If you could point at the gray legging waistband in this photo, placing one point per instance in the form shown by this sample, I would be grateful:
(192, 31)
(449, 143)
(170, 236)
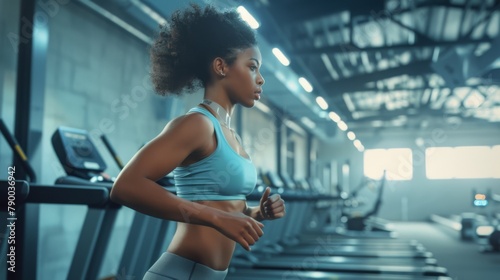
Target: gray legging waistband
(173, 267)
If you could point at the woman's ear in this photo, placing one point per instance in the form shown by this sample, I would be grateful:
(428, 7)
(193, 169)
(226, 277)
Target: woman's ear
(219, 67)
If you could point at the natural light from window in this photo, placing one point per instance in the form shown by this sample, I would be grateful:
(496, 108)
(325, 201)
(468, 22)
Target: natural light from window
(397, 163)
(471, 162)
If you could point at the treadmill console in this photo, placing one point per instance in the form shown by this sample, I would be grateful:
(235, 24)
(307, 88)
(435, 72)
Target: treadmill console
(76, 152)
(480, 200)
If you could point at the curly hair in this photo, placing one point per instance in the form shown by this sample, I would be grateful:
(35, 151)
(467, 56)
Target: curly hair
(184, 49)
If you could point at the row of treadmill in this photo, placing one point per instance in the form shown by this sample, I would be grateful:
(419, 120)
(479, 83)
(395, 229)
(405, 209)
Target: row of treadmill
(311, 242)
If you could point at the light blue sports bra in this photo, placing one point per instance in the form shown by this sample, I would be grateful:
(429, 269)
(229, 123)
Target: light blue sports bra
(223, 175)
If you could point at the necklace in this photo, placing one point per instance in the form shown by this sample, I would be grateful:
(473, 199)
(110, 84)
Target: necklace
(219, 111)
(221, 114)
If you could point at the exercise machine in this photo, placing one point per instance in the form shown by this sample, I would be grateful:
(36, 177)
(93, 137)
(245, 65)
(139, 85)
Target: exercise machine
(94, 197)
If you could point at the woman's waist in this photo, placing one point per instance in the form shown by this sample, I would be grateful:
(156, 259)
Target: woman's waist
(224, 205)
(202, 244)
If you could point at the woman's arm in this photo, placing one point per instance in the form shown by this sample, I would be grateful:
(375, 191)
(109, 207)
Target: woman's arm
(270, 207)
(254, 213)
(136, 185)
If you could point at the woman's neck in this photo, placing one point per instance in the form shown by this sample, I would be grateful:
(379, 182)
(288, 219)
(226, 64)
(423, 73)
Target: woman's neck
(220, 98)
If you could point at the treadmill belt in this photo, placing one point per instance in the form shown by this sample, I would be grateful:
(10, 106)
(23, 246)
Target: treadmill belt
(350, 267)
(252, 274)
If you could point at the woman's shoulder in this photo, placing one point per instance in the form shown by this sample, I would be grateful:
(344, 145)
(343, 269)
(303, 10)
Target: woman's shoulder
(192, 124)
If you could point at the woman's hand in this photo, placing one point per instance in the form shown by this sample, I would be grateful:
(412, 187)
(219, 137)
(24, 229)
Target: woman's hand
(239, 227)
(271, 207)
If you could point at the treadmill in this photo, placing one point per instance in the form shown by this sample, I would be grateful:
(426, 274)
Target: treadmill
(252, 274)
(27, 214)
(244, 265)
(145, 242)
(362, 249)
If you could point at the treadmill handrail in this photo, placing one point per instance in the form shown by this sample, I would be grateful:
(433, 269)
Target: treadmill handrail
(292, 195)
(112, 151)
(22, 189)
(18, 151)
(92, 196)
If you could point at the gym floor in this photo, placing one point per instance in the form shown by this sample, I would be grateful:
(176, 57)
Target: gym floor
(463, 260)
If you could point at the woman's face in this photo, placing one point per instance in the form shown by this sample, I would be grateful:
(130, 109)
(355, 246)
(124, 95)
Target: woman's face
(243, 81)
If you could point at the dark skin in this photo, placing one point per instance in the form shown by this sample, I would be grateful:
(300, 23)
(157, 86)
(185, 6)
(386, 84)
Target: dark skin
(207, 231)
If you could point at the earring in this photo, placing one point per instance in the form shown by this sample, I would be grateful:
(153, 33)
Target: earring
(222, 74)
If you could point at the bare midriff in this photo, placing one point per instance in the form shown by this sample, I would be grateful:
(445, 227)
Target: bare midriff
(203, 244)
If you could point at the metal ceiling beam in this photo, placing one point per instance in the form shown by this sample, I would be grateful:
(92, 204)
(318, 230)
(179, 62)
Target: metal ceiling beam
(370, 14)
(349, 48)
(482, 20)
(420, 37)
(444, 3)
(317, 9)
(389, 115)
(276, 31)
(357, 83)
(310, 10)
(386, 90)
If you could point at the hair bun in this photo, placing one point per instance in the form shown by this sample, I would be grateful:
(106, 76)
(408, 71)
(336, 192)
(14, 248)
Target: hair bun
(184, 48)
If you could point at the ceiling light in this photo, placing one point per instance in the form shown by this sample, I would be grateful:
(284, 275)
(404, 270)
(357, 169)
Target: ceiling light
(342, 125)
(281, 57)
(452, 103)
(246, 16)
(321, 102)
(305, 84)
(358, 145)
(150, 12)
(474, 100)
(348, 102)
(351, 135)
(329, 66)
(334, 116)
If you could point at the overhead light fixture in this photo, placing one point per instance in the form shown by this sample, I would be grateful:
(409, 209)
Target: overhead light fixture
(321, 102)
(295, 126)
(150, 12)
(246, 16)
(305, 84)
(328, 64)
(474, 100)
(281, 57)
(435, 54)
(334, 116)
(351, 135)
(306, 121)
(358, 145)
(342, 125)
(452, 103)
(348, 102)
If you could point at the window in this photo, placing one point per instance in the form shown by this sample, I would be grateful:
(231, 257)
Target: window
(396, 162)
(462, 162)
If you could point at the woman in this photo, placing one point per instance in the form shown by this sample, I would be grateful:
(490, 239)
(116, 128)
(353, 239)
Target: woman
(213, 174)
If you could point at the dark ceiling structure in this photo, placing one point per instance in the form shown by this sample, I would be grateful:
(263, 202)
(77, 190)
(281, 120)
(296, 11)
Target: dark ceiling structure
(393, 63)
(378, 64)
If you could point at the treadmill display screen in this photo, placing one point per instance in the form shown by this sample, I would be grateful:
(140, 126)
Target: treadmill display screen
(480, 200)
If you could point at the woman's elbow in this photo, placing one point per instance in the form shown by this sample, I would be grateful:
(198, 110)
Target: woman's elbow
(116, 194)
